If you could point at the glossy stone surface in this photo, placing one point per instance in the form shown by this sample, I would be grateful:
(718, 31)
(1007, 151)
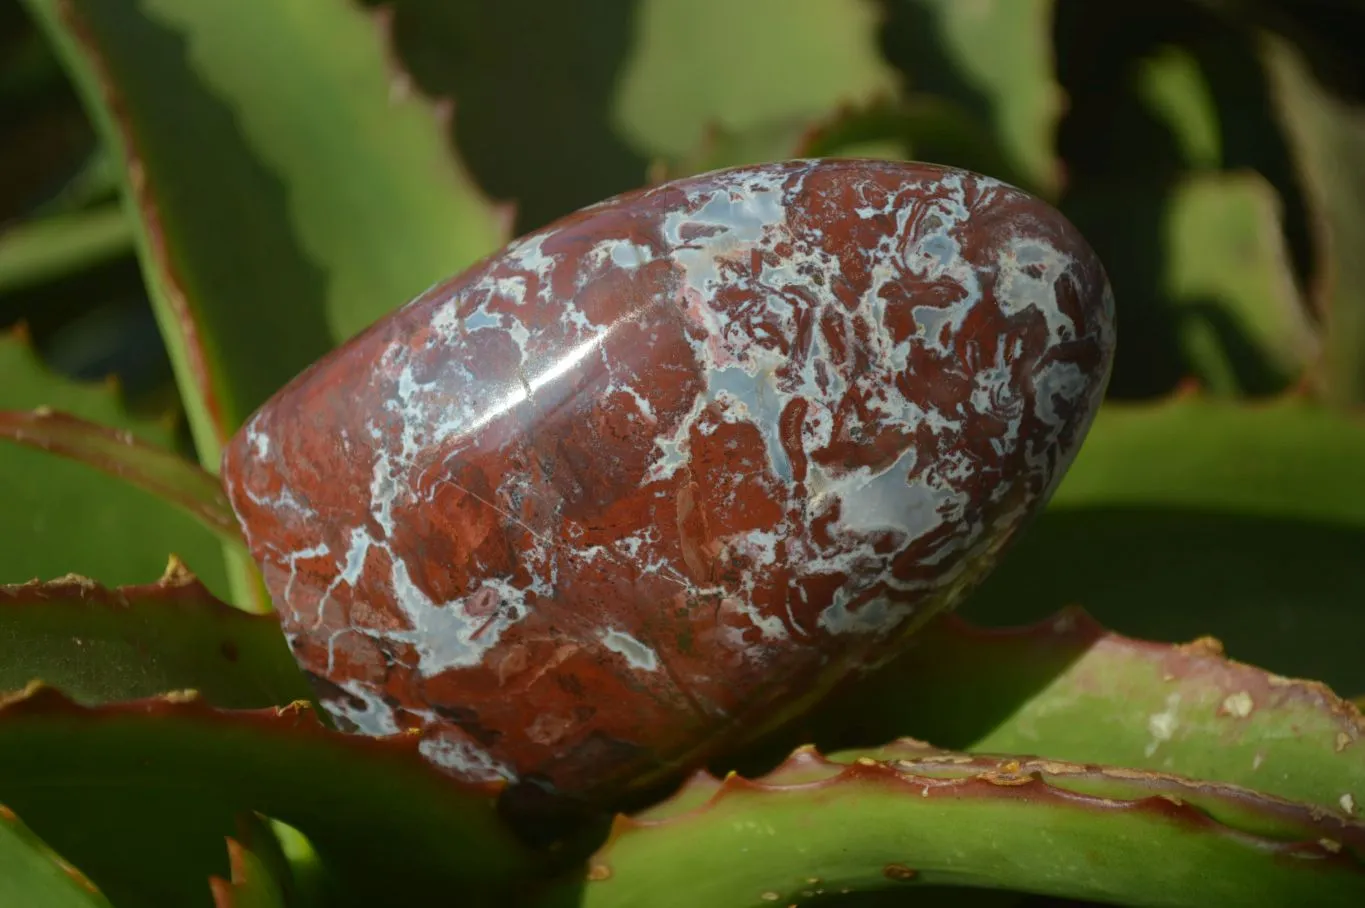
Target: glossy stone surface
(654, 477)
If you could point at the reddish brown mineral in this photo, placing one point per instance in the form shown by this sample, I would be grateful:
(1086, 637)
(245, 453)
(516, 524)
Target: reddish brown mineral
(652, 478)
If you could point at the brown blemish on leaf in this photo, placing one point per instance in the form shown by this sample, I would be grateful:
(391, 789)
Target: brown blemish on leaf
(598, 872)
(1238, 705)
(944, 758)
(899, 872)
(1206, 647)
(177, 573)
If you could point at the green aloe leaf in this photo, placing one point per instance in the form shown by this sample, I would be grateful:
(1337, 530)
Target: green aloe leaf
(33, 874)
(287, 187)
(908, 816)
(121, 454)
(101, 645)
(629, 90)
(38, 250)
(1242, 323)
(995, 59)
(141, 795)
(1067, 689)
(251, 883)
(1328, 136)
(765, 63)
(286, 860)
(1207, 275)
(1195, 516)
(61, 517)
(1180, 177)
(562, 150)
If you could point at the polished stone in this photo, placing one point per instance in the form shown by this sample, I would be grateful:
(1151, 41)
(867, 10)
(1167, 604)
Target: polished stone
(653, 478)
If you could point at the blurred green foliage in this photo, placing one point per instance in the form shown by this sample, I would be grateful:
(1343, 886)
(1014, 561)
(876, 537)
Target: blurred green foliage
(201, 198)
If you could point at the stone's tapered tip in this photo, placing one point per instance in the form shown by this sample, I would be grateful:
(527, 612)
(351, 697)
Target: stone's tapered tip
(655, 476)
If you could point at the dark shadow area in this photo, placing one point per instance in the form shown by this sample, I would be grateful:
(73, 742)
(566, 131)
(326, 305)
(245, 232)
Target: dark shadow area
(1277, 592)
(921, 694)
(1122, 163)
(533, 85)
(92, 324)
(1282, 594)
(44, 134)
(1327, 31)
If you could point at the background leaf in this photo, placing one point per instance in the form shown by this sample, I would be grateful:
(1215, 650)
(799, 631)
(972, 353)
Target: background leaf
(101, 645)
(1159, 99)
(251, 883)
(42, 249)
(910, 816)
(1067, 689)
(620, 85)
(32, 874)
(995, 59)
(1195, 516)
(1328, 137)
(542, 136)
(108, 788)
(332, 197)
(1232, 289)
(765, 62)
(122, 455)
(61, 517)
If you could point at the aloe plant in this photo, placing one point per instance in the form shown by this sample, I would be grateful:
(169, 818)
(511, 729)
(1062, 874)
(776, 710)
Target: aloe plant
(205, 198)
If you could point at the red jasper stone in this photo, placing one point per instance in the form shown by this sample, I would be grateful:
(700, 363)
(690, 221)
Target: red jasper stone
(651, 479)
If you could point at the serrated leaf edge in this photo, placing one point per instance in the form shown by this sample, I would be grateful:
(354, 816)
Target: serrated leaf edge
(404, 89)
(1336, 839)
(39, 700)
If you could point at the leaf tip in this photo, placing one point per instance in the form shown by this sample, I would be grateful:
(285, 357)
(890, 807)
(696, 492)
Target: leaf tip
(177, 574)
